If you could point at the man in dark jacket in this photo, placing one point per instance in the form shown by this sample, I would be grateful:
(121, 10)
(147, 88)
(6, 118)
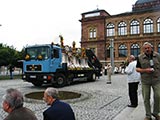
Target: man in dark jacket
(11, 69)
(13, 105)
(58, 110)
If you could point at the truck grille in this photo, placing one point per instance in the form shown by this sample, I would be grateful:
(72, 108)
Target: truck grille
(34, 68)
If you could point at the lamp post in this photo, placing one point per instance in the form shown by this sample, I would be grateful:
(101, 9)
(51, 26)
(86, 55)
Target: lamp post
(105, 52)
(112, 54)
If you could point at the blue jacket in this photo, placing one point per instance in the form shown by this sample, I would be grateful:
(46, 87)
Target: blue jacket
(59, 111)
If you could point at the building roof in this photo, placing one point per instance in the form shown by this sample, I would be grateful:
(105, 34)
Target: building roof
(143, 5)
(144, 1)
(94, 11)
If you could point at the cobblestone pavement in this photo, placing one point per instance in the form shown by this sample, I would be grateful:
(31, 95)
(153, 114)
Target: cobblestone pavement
(99, 101)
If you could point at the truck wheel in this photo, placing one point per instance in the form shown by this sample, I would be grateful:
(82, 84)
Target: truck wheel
(70, 79)
(92, 77)
(38, 84)
(60, 80)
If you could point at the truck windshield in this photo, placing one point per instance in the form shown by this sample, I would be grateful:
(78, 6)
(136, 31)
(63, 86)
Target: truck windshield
(41, 53)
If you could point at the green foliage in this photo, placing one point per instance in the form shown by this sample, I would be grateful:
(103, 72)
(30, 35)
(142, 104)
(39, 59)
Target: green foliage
(7, 77)
(9, 55)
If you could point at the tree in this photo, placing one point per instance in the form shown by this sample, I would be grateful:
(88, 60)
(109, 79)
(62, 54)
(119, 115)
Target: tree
(9, 55)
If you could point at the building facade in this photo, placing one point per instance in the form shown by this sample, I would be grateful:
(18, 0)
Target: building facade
(123, 34)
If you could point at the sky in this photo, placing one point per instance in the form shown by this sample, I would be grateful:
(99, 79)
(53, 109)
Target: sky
(29, 22)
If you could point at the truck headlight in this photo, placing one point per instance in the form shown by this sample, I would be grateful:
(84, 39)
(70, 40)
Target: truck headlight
(44, 77)
(24, 76)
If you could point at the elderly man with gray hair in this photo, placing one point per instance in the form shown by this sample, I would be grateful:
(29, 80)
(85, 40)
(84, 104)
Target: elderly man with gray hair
(13, 105)
(148, 64)
(58, 110)
(133, 78)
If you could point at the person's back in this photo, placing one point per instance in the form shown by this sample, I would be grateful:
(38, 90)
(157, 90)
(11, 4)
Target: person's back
(21, 113)
(59, 111)
(13, 105)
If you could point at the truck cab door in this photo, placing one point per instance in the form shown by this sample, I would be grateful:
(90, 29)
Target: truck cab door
(55, 60)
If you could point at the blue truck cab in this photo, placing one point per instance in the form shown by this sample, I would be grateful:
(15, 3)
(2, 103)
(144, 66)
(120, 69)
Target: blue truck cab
(43, 65)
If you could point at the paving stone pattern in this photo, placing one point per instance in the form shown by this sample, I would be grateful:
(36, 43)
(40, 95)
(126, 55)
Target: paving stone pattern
(99, 101)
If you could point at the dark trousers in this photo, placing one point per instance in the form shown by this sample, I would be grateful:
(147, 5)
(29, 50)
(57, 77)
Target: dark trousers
(133, 95)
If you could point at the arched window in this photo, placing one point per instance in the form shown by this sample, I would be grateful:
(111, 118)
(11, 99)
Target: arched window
(92, 33)
(122, 50)
(108, 52)
(110, 30)
(134, 27)
(122, 28)
(135, 50)
(159, 48)
(158, 25)
(148, 26)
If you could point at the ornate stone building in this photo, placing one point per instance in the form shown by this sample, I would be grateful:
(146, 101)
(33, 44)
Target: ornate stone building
(122, 34)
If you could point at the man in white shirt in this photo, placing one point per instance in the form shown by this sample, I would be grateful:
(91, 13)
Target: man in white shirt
(133, 78)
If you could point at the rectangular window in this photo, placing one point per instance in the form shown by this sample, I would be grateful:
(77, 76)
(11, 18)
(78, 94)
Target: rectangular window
(55, 53)
(134, 30)
(158, 27)
(110, 32)
(148, 28)
(122, 31)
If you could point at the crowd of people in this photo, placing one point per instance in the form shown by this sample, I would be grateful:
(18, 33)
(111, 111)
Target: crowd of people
(144, 70)
(118, 69)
